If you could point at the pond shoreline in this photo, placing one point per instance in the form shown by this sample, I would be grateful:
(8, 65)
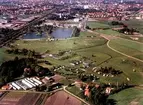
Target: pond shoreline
(57, 33)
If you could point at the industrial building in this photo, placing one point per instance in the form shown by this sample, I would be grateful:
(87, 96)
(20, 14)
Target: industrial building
(25, 84)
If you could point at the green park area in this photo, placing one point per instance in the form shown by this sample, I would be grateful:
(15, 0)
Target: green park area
(131, 96)
(95, 49)
(109, 32)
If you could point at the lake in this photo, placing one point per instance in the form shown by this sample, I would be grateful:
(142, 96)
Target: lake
(34, 36)
(61, 33)
(58, 33)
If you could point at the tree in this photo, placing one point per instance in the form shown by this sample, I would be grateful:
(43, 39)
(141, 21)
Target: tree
(16, 58)
(16, 51)
(87, 27)
(24, 51)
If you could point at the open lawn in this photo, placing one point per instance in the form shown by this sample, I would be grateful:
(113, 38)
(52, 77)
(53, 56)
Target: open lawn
(97, 25)
(130, 96)
(110, 32)
(128, 47)
(69, 44)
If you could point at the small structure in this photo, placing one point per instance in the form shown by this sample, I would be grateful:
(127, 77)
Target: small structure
(108, 90)
(86, 92)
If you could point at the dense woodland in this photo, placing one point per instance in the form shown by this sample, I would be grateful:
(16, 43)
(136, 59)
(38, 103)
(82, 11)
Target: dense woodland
(10, 70)
(25, 52)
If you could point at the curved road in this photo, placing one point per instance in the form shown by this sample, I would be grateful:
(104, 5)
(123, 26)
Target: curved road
(123, 53)
(115, 49)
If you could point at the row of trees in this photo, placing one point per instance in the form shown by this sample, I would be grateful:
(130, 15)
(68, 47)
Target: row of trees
(116, 23)
(127, 30)
(109, 70)
(29, 53)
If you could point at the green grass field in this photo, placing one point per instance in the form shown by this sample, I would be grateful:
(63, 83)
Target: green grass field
(86, 46)
(128, 97)
(110, 32)
(128, 47)
(97, 25)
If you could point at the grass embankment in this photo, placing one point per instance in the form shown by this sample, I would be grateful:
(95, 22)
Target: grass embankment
(129, 97)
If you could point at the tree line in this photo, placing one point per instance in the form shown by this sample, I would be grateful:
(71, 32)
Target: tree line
(29, 53)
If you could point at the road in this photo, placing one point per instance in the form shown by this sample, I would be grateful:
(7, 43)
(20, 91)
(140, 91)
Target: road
(30, 91)
(123, 53)
(25, 27)
(64, 88)
(104, 36)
